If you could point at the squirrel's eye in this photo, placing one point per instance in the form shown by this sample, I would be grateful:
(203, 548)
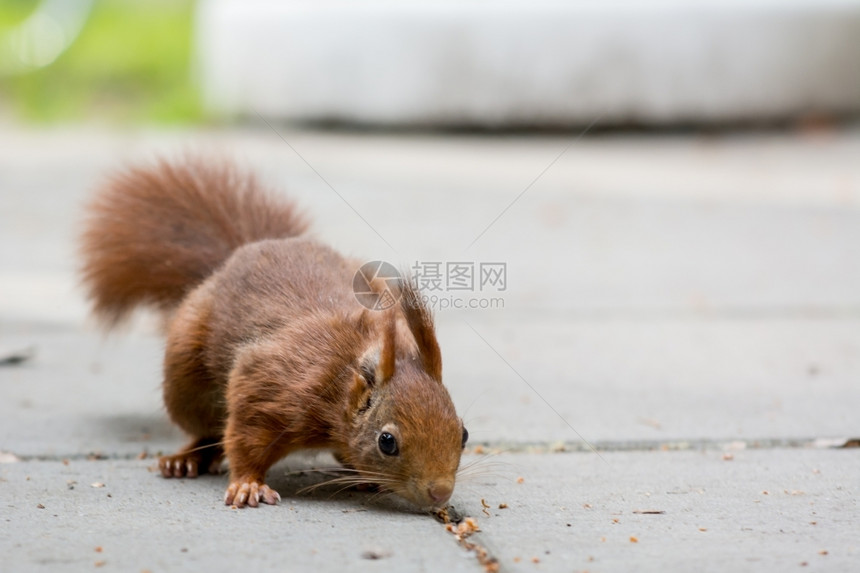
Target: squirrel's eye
(387, 444)
(465, 436)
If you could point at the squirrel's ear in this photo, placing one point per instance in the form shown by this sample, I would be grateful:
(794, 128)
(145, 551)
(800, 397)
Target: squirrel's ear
(377, 366)
(420, 322)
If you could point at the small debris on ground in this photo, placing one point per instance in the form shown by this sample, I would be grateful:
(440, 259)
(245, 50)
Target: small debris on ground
(374, 554)
(8, 458)
(15, 357)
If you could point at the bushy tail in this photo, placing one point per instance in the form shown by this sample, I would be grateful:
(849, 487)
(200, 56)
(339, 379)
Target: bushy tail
(153, 233)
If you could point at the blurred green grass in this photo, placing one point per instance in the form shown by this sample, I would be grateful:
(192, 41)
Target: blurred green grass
(131, 63)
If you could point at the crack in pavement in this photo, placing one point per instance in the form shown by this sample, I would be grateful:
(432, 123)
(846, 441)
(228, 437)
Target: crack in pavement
(534, 447)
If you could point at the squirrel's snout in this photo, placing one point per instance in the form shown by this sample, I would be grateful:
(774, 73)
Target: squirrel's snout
(440, 492)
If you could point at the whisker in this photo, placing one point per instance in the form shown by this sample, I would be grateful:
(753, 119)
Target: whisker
(206, 446)
(346, 481)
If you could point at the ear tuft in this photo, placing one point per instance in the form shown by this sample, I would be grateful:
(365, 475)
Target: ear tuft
(420, 321)
(385, 368)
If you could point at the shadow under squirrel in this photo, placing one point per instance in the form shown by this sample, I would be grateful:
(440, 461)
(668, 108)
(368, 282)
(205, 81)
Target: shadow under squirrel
(268, 351)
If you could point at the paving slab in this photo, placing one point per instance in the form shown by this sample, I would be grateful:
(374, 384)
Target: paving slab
(605, 383)
(117, 516)
(762, 510)
(774, 510)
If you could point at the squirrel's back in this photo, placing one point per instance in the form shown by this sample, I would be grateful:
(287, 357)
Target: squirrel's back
(154, 233)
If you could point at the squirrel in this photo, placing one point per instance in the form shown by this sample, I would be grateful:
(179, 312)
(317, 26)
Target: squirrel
(268, 351)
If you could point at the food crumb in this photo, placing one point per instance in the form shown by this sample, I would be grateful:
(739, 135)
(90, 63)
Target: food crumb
(634, 539)
(603, 539)
(65, 461)
(40, 506)
(765, 492)
(586, 505)
(97, 484)
(503, 506)
(517, 559)
(728, 456)
(467, 527)
(99, 563)
(614, 520)
(521, 479)
(99, 549)
(703, 529)
(804, 563)
(479, 449)
(813, 523)
(535, 559)
(823, 552)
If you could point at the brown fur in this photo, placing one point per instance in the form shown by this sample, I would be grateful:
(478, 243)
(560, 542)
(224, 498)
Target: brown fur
(172, 224)
(268, 351)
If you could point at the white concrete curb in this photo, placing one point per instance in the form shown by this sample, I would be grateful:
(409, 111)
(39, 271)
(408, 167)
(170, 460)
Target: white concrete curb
(530, 63)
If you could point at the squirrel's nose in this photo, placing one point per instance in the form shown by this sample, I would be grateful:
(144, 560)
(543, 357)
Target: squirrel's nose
(440, 492)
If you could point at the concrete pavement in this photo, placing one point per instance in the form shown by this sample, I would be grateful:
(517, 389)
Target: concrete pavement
(687, 305)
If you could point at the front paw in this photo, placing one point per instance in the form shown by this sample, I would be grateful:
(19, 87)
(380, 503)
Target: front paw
(179, 465)
(250, 492)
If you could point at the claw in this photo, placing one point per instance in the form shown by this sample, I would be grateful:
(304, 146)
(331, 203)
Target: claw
(250, 493)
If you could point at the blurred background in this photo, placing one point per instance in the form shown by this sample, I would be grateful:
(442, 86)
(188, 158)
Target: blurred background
(477, 64)
(673, 185)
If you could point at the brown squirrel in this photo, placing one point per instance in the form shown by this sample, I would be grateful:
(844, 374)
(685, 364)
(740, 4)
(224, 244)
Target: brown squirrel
(268, 350)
